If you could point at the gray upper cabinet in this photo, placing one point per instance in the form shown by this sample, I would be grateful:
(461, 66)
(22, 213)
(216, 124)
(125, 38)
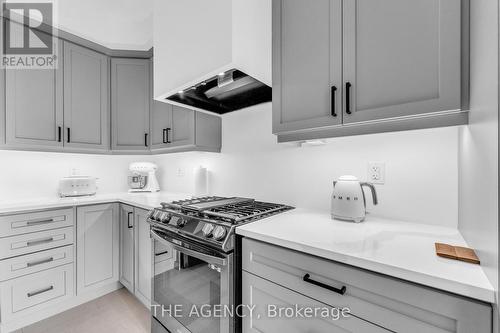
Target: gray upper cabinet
(307, 64)
(182, 127)
(2, 105)
(34, 106)
(344, 67)
(86, 101)
(401, 57)
(130, 98)
(161, 124)
(174, 128)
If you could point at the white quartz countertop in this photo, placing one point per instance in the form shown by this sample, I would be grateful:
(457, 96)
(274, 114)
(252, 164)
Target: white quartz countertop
(141, 200)
(395, 248)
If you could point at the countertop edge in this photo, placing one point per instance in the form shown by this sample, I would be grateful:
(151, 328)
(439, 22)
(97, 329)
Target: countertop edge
(454, 287)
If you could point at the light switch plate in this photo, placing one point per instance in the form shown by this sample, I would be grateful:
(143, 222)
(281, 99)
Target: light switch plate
(376, 172)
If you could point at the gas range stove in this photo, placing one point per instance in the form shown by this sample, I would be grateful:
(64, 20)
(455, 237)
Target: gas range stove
(211, 220)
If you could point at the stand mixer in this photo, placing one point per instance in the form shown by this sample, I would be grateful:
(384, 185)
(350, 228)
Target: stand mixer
(143, 177)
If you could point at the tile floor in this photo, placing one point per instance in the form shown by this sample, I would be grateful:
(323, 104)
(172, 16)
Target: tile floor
(118, 312)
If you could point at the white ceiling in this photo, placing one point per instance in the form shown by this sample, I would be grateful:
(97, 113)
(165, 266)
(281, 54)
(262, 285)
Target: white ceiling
(117, 24)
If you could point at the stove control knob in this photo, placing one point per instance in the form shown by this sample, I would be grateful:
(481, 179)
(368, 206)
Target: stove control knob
(164, 217)
(156, 216)
(181, 222)
(207, 229)
(219, 233)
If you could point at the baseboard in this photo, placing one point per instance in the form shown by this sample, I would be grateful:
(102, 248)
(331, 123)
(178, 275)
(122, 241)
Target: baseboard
(61, 307)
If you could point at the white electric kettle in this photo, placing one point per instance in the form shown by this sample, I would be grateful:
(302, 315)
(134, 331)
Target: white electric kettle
(348, 199)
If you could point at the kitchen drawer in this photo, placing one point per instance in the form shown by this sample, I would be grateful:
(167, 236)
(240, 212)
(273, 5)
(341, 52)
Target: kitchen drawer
(30, 222)
(265, 295)
(391, 303)
(163, 252)
(35, 262)
(34, 242)
(30, 293)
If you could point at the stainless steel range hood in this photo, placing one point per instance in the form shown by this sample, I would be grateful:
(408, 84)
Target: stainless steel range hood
(226, 92)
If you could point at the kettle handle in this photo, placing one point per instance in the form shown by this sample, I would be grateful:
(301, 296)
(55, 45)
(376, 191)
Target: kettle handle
(374, 192)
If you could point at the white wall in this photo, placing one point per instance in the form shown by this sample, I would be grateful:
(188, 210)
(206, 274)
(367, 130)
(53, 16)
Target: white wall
(35, 174)
(422, 169)
(117, 24)
(478, 158)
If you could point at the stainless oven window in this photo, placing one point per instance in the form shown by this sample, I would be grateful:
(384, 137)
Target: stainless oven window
(191, 291)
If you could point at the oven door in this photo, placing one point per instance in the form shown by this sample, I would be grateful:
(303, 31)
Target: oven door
(185, 296)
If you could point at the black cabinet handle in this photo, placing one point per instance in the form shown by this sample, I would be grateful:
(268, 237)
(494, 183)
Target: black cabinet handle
(161, 253)
(340, 291)
(146, 139)
(128, 220)
(348, 98)
(334, 91)
(164, 135)
(59, 134)
(69, 134)
(168, 129)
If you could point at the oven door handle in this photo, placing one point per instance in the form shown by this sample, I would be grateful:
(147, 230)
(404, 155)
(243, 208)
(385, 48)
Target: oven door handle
(202, 256)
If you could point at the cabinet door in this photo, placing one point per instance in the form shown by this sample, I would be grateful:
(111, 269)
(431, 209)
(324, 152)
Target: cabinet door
(263, 294)
(130, 97)
(307, 64)
(34, 110)
(401, 57)
(86, 102)
(127, 227)
(161, 125)
(143, 259)
(182, 127)
(97, 246)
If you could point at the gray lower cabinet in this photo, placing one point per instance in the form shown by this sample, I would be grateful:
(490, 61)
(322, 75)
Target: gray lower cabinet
(175, 128)
(86, 98)
(143, 260)
(127, 231)
(2, 104)
(275, 276)
(97, 254)
(338, 64)
(34, 107)
(130, 99)
(136, 256)
(269, 298)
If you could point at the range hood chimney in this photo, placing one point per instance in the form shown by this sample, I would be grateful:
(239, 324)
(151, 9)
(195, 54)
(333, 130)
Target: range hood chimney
(213, 55)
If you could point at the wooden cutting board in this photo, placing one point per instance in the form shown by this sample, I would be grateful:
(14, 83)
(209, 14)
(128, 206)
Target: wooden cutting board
(457, 253)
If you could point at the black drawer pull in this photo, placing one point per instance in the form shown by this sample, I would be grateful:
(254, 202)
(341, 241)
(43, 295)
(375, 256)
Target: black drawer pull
(69, 134)
(39, 222)
(39, 262)
(161, 253)
(40, 241)
(128, 220)
(348, 86)
(145, 139)
(164, 135)
(41, 291)
(334, 91)
(59, 131)
(340, 291)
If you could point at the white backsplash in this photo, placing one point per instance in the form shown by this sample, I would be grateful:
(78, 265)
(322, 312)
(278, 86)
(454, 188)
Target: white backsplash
(421, 169)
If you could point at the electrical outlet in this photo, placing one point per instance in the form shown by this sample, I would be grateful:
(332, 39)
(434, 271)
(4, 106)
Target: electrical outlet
(376, 172)
(181, 172)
